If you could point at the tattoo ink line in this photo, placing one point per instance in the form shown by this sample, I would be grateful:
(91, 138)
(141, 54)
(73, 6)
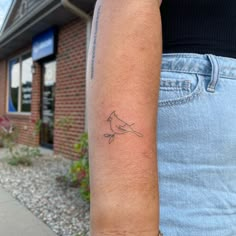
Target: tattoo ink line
(118, 127)
(95, 42)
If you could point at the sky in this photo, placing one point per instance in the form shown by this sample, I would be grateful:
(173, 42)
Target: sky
(4, 6)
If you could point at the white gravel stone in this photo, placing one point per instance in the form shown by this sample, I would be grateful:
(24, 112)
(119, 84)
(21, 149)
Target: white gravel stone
(58, 205)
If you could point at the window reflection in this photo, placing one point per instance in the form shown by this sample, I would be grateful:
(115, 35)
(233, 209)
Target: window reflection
(20, 84)
(26, 82)
(14, 85)
(49, 84)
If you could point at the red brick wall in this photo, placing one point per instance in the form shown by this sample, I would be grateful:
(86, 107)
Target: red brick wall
(3, 75)
(26, 123)
(70, 92)
(70, 87)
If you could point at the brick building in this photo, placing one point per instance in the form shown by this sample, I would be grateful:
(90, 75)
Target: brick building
(43, 47)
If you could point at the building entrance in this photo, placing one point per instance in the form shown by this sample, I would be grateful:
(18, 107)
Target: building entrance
(48, 104)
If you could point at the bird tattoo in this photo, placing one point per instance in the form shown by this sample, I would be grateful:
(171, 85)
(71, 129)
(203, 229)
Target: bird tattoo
(119, 127)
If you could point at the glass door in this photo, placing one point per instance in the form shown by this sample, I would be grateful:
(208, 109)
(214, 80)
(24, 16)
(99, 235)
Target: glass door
(48, 102)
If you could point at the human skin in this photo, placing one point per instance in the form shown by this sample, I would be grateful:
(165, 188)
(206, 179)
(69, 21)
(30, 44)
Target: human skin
(124, 70)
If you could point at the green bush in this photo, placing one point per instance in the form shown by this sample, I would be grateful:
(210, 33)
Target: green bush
(23, 156)
(79, 169)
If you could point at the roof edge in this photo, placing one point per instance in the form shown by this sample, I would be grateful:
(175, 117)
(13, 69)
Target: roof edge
(16, 26)
(7, 16)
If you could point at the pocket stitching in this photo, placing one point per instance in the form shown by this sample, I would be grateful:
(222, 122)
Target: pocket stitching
(195, 93)
(166, 84)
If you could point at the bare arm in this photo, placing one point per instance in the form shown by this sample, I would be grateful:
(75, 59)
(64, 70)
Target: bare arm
(124, 67)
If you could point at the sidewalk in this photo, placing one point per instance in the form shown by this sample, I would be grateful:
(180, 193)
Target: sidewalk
(16, 220)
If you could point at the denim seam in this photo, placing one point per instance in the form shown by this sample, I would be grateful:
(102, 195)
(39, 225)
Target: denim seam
(176, 54)
(214, 75)
(203, 58)
(192, 55)
(167, 84)
(180, 101)
(196, 72)
(172, 88)
(198, 91)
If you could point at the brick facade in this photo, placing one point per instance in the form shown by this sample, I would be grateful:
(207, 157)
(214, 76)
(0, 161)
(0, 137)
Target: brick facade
(70, 86)
(25, 124)
(70, 92)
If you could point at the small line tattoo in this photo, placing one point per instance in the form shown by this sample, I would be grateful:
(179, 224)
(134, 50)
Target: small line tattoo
(95, 42)
(118, 127)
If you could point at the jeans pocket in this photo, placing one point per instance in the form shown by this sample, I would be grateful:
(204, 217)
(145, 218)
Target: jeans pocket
(178, 88)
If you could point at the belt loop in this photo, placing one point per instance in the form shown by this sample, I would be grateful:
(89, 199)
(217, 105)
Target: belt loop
(215, 72)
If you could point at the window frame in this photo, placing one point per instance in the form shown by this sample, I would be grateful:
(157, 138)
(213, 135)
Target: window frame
(19, 56)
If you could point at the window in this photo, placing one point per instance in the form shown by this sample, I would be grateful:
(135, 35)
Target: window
(20, 84)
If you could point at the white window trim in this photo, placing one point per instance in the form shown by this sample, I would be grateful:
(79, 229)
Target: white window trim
(19, 95)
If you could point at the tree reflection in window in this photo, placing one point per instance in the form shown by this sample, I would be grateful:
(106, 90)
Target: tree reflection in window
(20, 84)
(26, 82)
(14, 83)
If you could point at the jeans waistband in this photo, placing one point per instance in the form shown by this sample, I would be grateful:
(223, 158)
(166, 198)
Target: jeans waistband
(205, 64)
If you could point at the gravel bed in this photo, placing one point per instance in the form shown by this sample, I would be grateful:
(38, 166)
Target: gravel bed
(56, 204)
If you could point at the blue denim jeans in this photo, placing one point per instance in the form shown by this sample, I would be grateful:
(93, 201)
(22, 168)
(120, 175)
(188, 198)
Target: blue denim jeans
(197, 145)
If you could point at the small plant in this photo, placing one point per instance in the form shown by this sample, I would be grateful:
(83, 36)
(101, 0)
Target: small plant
(79, 170)
(81, 234)
(17, 156)
(8, 133)
(65, 122)
(37, 126)
(23, 156)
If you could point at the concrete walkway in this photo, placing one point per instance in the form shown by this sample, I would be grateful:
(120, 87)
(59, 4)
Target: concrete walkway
(16, 220)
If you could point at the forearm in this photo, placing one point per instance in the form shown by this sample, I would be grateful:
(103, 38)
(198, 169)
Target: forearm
(124, 68)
